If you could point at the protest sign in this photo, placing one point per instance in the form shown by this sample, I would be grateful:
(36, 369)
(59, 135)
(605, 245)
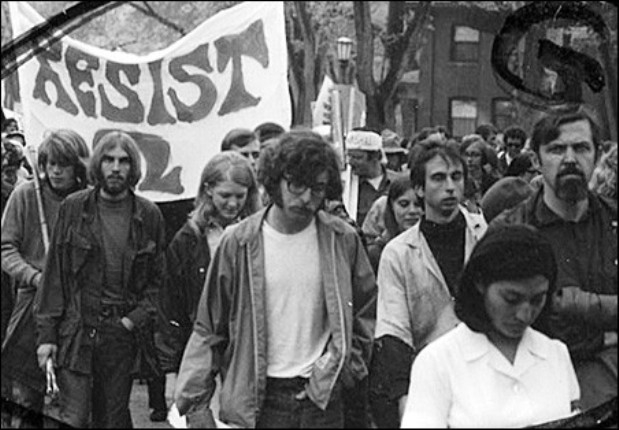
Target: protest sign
(178, 103)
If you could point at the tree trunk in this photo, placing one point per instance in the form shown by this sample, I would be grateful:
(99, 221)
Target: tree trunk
(365, 62)
(307, 85)
(400, 46)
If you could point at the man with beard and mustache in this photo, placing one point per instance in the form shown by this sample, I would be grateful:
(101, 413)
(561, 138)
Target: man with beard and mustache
(582, 227)
(96, 308)
(417, 277)
(288, 307)
(61, 161)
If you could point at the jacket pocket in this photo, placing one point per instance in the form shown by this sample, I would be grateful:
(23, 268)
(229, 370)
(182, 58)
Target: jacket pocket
(143, 261)
(67, 346)
(80, 249)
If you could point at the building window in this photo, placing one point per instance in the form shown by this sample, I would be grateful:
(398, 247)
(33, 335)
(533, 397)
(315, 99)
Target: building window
(463, 116)
(503, 113)
(465, 44)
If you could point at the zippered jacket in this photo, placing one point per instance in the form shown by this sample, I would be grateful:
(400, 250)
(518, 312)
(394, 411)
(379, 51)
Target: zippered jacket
(229, 335)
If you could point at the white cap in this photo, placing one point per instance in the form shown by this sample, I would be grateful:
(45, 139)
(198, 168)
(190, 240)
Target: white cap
(364, 140)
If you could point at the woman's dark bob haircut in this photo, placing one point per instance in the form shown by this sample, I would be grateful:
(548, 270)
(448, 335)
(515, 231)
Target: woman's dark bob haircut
(505, 253)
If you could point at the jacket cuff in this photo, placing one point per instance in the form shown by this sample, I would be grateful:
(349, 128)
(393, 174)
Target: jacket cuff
(47, 336)
(139, 317)
(32, 273)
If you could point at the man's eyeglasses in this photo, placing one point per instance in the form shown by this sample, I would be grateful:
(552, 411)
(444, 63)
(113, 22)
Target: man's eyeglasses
(298, 188)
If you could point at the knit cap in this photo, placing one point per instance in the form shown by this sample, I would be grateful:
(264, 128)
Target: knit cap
(504, 194)
(364, 140)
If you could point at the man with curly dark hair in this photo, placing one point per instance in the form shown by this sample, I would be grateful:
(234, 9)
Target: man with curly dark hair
(288, 307)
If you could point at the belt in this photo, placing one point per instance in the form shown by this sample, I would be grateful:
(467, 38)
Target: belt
(108, 310)
(287, 384)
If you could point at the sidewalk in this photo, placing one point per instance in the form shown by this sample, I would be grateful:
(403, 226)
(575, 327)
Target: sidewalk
(140, 413)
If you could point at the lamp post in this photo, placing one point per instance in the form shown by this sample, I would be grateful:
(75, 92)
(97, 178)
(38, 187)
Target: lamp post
(344, 52)
(342, 108)
(344, 86)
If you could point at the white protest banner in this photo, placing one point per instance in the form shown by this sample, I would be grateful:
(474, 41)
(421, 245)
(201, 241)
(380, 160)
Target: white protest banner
(178, 103)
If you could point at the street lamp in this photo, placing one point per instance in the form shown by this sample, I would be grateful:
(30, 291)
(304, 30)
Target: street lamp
(344, 52)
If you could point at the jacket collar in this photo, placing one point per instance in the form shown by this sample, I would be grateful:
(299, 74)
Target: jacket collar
(90, 206)
(475, 224)
(251, 227)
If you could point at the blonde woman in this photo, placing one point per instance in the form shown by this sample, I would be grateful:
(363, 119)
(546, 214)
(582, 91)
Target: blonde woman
(228, 192)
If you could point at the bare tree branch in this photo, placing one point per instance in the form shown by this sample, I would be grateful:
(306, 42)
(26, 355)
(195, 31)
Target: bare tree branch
(408, 45)
(147, 10)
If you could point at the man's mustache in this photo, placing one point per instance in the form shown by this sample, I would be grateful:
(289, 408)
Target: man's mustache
(571, 170)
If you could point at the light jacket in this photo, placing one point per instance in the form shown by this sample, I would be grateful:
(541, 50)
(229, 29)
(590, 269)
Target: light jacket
(414, 303)
(230, 332)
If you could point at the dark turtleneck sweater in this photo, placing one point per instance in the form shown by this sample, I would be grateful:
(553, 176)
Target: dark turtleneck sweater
(446, 242)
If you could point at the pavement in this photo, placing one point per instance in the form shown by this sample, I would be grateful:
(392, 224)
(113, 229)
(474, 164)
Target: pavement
(140, 413)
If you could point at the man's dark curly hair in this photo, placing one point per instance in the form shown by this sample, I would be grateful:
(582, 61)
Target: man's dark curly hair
(300, 155)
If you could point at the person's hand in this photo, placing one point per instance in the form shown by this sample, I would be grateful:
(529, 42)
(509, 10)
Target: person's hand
(45, 351)
(36, 280)
(127, 323)
(565, 299)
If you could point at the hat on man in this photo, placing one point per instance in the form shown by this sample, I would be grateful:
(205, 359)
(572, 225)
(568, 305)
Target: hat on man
(16, 136)
(504, 194)
(391, 143)
(364, 140)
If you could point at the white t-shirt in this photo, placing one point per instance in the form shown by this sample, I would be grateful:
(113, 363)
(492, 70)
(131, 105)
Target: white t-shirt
(297, 325)
(462, 380)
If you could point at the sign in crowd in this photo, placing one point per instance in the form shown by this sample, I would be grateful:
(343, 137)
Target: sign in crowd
(177, 103)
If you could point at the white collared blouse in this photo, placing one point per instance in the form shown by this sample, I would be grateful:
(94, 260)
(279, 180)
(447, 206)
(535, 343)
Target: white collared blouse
(462, 380)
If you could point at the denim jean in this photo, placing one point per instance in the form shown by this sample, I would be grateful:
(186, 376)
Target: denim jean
(287, 406)
(156, 393)
(101, 398)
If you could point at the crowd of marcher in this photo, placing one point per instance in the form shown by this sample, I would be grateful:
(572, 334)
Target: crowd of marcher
(426, 282)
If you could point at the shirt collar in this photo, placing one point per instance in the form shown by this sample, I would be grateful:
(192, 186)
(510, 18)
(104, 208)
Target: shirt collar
(475, 345)
(546, 216)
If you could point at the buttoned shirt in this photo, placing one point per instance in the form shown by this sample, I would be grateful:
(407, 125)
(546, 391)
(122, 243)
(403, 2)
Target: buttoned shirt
(463, 380)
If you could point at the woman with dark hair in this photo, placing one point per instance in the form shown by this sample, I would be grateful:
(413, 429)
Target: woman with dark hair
(400, 209)
(524, 165)
(482, 165)
(493, 369)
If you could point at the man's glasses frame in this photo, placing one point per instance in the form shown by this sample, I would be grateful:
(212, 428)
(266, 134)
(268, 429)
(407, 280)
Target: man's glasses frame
(297, 188)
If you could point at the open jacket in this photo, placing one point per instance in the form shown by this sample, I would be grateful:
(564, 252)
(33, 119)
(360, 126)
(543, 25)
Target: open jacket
(229, 335)
(67, 307)
(187, 260)
(414, 302)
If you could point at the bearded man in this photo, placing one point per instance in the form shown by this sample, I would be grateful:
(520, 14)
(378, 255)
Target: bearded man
(582, 227)
(96, 308)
